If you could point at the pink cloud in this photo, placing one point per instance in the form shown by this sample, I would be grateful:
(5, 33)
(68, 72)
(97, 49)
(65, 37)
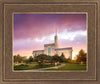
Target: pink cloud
(28, 27)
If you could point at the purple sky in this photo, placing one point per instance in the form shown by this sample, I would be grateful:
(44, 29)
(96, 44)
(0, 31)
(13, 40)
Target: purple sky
(32, 31)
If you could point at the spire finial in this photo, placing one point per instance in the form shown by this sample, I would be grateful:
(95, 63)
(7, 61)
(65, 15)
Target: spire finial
(56, 31)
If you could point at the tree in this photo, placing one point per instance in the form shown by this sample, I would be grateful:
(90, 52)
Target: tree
(81, 57)
(56, 58)
(42, 59)
(68, 60)
(62, 57)
(30, 59)
(19, 59)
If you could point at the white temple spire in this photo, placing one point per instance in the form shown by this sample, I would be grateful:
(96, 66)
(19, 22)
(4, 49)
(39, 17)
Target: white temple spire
(56, 31)
(56, 39)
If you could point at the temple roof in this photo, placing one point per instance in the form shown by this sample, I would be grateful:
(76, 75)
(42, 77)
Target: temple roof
(52, 44)
(38, 51)
(69, 48)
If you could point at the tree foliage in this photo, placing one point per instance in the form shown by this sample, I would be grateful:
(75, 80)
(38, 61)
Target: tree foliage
(42, 58)
(81, 57)
(56, 58)
(62, 57)
(18, 58)
(30, 59)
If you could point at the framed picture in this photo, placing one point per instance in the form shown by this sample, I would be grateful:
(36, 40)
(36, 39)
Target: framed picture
(49, 42)
(33, 34)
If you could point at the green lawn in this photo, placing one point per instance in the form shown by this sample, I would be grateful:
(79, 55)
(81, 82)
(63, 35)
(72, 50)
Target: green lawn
(24, 67)
(30, 66)
(72, 66)
(67, 67)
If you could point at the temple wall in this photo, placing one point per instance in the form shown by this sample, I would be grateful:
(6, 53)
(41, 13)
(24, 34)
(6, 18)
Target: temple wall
(67, 53)
(52, 50)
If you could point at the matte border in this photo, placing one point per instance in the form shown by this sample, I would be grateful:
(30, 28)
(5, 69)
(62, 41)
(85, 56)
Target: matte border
(51, 13)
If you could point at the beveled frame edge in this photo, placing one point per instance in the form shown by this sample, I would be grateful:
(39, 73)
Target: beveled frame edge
(51, 79)
(1, 14)
(48, 12)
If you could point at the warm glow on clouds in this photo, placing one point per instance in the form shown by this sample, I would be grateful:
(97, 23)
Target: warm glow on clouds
(63, 35)
(32, 31)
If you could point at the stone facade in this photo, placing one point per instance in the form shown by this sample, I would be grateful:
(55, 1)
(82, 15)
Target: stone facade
(53, 48)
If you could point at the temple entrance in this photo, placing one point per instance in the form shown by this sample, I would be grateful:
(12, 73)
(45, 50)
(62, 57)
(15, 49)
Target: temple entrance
(49, 51)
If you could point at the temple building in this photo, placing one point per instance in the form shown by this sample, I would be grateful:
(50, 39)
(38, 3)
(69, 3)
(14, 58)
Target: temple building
(53, 48)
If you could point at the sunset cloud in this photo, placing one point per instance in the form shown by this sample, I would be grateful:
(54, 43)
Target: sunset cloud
(32, 31)
(62, 35)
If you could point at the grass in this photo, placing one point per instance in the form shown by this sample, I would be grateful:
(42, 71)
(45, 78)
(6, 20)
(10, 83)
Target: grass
(67, 67)
(71, 66)
(30, 66)
(24, 66)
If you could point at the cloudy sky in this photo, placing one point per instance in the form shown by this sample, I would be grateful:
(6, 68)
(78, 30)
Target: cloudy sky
(32, 31)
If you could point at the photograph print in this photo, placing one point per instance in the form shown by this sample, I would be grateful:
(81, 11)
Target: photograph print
(50, 42)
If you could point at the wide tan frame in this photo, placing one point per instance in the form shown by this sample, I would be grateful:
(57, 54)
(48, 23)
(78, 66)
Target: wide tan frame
(7, 14)
(7, 75)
